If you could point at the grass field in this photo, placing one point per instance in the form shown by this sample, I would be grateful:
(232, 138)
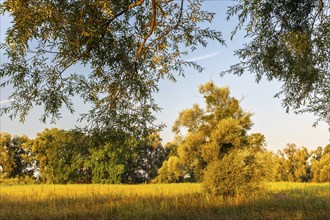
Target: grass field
(161, 201)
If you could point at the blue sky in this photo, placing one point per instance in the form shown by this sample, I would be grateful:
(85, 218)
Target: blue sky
(269, 117)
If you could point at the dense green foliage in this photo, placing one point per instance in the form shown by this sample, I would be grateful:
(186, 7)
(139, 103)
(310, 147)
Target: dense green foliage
(289, 41)
(213, 133)
(59, 156)
(212, 145)
(15, 156)
(128, 161)
(299, 165)
(123, 48)
(238, 172)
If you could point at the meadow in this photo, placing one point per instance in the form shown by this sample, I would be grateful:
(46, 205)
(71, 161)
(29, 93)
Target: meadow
(162, 201)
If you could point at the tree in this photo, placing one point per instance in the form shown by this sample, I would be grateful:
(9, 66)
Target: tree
(320, 165)
(125, 47)
(302, 168)
(321, 169)
(121, 158)
(60, 156)
(289, 153)
(316, 168)
(325, 168)
(6, 162)
(281, 168)
(208, 134)
(289, 42)
(107, 163)
(317, 154)
(293, 164)
(171, 149)
(326, 150)
(150, 156)
(15, 156)
(212, 131)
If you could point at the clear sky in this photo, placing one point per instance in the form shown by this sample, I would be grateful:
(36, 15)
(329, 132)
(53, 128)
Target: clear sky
(269, 117)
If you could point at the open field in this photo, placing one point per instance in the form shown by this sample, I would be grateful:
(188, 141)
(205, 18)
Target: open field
(161, 201)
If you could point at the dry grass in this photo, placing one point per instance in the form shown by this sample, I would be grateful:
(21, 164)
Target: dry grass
(161, 201)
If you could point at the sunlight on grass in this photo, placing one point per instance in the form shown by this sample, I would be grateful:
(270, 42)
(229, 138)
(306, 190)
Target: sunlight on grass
(161, 201)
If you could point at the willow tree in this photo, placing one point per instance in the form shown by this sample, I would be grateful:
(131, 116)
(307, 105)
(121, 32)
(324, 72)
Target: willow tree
(289, 42)
(125, 47)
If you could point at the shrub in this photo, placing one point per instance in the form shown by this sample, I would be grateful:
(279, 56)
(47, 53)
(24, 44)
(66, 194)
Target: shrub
(238, 172)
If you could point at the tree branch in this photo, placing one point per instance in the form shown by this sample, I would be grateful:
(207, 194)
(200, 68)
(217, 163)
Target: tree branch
(171, 28)
(152, 28)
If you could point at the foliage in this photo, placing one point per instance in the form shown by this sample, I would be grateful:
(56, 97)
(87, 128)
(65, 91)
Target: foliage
(124, 47)
(280, 171)
(302, 168)
(105, 164)
(321, 166)
(171, 171)
(267, 162)
(120, 158)
(210, 133)
(325, 169)
(238, 172)
(15, 156)
(297, 166)
(257, 142)
(171, 149)
(326, 150)
(150, 156)
(300, 165)
(289, 41)
(60, 156)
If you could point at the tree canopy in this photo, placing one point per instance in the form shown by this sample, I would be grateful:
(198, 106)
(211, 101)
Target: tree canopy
(15, 156)
(61, 156)
(207, 134)
(289, 42)
(125, 47)
(214, 146)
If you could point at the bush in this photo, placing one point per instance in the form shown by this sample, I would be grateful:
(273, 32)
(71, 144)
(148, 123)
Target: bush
(238, 172)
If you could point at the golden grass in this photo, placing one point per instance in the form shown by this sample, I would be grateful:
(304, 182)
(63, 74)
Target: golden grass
(162, 201)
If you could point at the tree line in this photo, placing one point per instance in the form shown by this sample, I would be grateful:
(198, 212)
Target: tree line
(212, 145)
(61, 156)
